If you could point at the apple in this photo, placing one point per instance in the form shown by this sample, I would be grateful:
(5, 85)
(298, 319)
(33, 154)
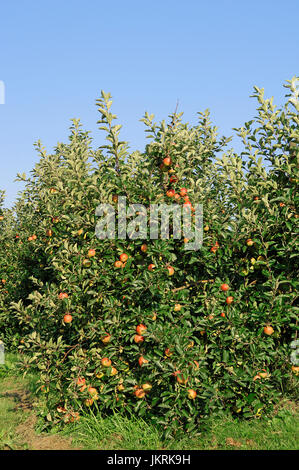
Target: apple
(191, 394)
(67, 318)
(88, 401)
(222, 314)
(123, 257)
(106, 339)
(167, 352)
(229, 300)
(138, 339)
(249, 242)
(118, 264)
(91, 253)
(86, 263)
(63, 295)
(173, 179)
(106, 362)
(141, 329)
(170, 270)
(93, 392)
(151, 267)
(147, 386)
(142, 361)
(224, 287)
(143, 248)
(183, 192)
(114, 371)
(177, 307)
(170, 193)
(49, 233)
(80, 381)
(139, 393)
(268, 330)
(167, 161)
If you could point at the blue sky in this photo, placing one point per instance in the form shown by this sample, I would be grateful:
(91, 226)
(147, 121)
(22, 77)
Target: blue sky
(56, 57)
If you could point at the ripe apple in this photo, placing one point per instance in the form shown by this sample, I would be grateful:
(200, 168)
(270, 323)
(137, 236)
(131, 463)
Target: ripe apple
(151, 267)
(118, 264)
(123, 257)
(106, 339)
(139, 393)
(138, 339)
(91, 253)
(63, 295)
(268, 330)
(106, 362)
(167, 352)
(167, 161)
(191, 394)
(183, 192)
(86, 263)
(80, 381)
(114, 371)
(142, 361)
(67, 318)
(170, 270)
(170, 193)
(263, 374)
(141, 329)
(214, 249)
(173, 179)
(143, 248)
(249, 242)
(229, 300)
(222, 314)
(181, 380)
(93, 392)
(224, 287)
(88, 401)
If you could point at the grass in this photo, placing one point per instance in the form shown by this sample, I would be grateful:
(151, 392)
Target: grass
(18, 426)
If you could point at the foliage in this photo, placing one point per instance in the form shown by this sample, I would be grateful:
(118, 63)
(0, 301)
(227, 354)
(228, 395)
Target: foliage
(194, 339)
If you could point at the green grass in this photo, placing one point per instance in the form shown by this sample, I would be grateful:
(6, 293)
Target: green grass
(280, 432)
(224, 433)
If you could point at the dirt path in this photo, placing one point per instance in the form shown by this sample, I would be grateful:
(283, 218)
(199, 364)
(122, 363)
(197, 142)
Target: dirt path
(18, 421)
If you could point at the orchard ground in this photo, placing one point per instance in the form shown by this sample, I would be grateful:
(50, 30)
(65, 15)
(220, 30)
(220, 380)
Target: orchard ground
(21, 429)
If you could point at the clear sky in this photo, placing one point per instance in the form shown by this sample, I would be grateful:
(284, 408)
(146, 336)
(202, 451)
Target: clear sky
(56, 57)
